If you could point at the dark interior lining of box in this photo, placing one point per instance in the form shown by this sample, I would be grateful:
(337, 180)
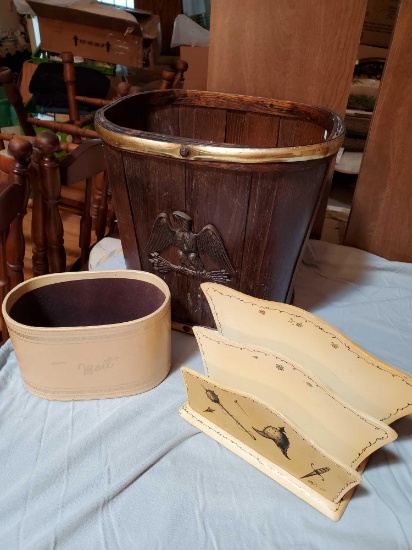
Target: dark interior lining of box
(87, 302)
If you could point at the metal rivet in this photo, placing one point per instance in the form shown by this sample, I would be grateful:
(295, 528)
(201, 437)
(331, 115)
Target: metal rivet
(184, 151)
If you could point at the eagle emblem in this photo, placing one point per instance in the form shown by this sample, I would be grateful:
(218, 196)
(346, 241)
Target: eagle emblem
(190, 247)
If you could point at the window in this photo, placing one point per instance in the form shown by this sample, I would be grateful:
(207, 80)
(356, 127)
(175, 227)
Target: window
(119, 3)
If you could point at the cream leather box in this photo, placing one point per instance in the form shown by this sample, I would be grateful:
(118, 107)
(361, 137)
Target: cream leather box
(90, 335)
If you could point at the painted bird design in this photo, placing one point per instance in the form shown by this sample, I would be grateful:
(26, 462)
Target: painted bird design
(278, 436)
(189, 245)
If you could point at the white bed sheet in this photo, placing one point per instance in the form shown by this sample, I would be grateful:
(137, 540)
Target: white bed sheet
(130, 473)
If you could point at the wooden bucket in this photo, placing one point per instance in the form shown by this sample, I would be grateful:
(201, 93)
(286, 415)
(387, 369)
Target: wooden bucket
(216, 187)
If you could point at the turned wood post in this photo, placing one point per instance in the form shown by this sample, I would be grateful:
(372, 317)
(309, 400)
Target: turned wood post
(48, 143)
(70, 129)
(69, 75)
(181, 68)
(168, 77)
(14, 97)
(21, 150)
(123, 89)
(40, 263)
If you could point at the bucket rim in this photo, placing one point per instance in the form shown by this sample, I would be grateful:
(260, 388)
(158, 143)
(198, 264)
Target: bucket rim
(151, 143)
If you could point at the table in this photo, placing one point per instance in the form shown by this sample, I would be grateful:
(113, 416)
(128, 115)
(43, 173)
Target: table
(130, 473)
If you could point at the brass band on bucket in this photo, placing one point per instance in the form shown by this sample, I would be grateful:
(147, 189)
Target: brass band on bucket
(144, 142)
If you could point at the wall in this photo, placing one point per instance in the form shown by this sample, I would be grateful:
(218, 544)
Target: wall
(9, 18)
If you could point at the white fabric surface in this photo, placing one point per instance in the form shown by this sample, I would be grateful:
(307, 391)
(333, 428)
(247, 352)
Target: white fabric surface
(130, 473)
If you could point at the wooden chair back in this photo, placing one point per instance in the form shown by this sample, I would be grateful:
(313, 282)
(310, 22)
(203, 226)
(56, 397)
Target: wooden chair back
(75, 128)
(171, 78)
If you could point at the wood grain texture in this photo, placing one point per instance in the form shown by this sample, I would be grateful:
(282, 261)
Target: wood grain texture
(51, 193)
(121, 204)
(156, 185)
(218, 197)
(19, 173)
(303, 51)
(202, 123)
(40, 262)
(297, 51)
(381, 219)
(277, 228)
(252, 129)
(163, 120)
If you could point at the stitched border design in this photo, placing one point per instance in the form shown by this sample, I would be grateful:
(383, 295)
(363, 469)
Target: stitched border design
(99, 392)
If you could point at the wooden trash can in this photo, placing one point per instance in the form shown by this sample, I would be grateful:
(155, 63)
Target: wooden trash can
(217, 187)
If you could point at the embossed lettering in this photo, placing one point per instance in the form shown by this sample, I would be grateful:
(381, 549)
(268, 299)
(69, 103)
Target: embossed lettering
(92, 369)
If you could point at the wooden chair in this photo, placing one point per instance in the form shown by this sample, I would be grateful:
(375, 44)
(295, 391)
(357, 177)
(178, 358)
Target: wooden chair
(27, 123)
(171, 78)
(82, 162)
(14, 192)
(75, 127)
(47, 174)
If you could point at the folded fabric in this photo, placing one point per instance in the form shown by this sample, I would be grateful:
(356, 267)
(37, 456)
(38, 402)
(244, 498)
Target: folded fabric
(48, 78)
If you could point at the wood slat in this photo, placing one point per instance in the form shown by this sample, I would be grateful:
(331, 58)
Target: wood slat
(280, 216)
(218, 197)
(252, 129)
(299, 132)
(163, 120)
(156, 185)
(202, 123)
(287, 132)
(125, 220)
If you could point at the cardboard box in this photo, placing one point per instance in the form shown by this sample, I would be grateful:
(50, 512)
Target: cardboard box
(89, 35)
(371, 51)
(25, 78)
(379, 22)
(196, 74)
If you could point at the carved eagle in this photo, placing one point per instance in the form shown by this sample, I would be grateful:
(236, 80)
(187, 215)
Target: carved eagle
(189, 245)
